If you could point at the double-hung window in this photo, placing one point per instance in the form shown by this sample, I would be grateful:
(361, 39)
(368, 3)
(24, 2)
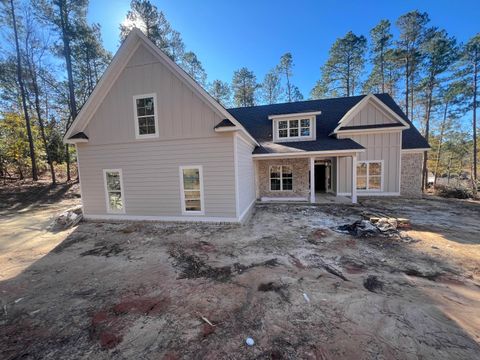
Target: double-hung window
(281, 178)
(146, 124)
(297, 128)
(114, 190)
(370, 175)
(191, 183)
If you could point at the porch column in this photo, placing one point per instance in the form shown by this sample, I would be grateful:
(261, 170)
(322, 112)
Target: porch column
(354, 179)
(312, 179)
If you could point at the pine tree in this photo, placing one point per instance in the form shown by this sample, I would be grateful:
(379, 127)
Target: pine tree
(412, 26)
(65, 17)
(244, 85)
(341, 73)
(384, 74)
(193, 67)
(220, 91)
(22, 90)
(439, 52)
(470, 62)
(152, 22)
(271, 87)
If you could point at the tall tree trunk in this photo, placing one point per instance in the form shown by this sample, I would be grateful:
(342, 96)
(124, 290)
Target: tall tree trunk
(33, 74)
(475, 89)
(22, 93)
(440, 141)
(427, 133)
(289, 90)
(382, 70)
(407, 89)
(68, 61)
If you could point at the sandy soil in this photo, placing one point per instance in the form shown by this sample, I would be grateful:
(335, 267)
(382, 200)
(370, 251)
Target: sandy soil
(146, 290)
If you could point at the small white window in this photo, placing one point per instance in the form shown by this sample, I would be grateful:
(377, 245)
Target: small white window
(114, 190)
(191, 184)
(146, 124)
(281, 178)
(296, 128)
(370, 175)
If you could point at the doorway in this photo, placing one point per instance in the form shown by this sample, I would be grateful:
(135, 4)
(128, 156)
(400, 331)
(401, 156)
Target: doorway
(323, 176)
(320, 171)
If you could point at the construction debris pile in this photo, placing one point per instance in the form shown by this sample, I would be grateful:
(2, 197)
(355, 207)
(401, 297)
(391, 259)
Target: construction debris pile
(67, 219)
(374, 225)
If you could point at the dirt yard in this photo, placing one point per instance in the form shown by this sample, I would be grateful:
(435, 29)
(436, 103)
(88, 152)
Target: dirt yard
(288, 279)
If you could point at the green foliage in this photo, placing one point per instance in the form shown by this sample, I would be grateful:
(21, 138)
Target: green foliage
(193, 67)
(343, 69)
(14, 146)
(153, 23)
(244, 85)
(271, 87)
(385, 72)
(220, 91)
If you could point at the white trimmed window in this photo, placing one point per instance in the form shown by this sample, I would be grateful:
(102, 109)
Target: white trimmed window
(114, 190)
(281, 178)
(191, 184)
(296, 128)
(146, 124)
(370, 175)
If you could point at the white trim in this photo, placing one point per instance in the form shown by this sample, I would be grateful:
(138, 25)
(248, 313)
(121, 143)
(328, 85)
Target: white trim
(312, 179)
(122, 192)
(371, 131)
(354, 179)
(244, 215)
(294, 115)
(308, 153)
(80, 180)
(119, 61)
(400, 166)
(182, 190)
(272, 199)
(120, 217)
(75, 141)
(235, 167)
(135, 116)
(371, 194)
(227, 129)
(415, 150)
(356, 109)
(111, 74)
(281, 178)
(337, 163)
(367, 176)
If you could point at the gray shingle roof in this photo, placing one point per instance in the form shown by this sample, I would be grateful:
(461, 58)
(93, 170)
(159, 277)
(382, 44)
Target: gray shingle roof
(255, 120)
(224, 123)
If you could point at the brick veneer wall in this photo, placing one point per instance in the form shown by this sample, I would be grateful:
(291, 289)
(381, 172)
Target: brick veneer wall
(411, 181)
(300, 167)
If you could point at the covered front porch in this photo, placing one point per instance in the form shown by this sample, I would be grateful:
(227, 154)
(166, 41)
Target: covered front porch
(314, 178)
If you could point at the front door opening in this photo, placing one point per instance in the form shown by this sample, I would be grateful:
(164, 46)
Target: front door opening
(320, 183)
(323, 176)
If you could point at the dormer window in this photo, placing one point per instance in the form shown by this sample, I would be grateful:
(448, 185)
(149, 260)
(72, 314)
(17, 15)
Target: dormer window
(294, 127)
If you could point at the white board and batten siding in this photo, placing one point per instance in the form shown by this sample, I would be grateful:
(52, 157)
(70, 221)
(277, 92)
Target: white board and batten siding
(245, 176)
(385, 147)
(371, 115)
(150, 167)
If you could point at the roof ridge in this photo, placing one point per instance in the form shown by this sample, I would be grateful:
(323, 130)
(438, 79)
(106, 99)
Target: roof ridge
(298, 102)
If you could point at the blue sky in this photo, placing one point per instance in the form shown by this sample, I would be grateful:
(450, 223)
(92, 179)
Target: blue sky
(227, 35)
